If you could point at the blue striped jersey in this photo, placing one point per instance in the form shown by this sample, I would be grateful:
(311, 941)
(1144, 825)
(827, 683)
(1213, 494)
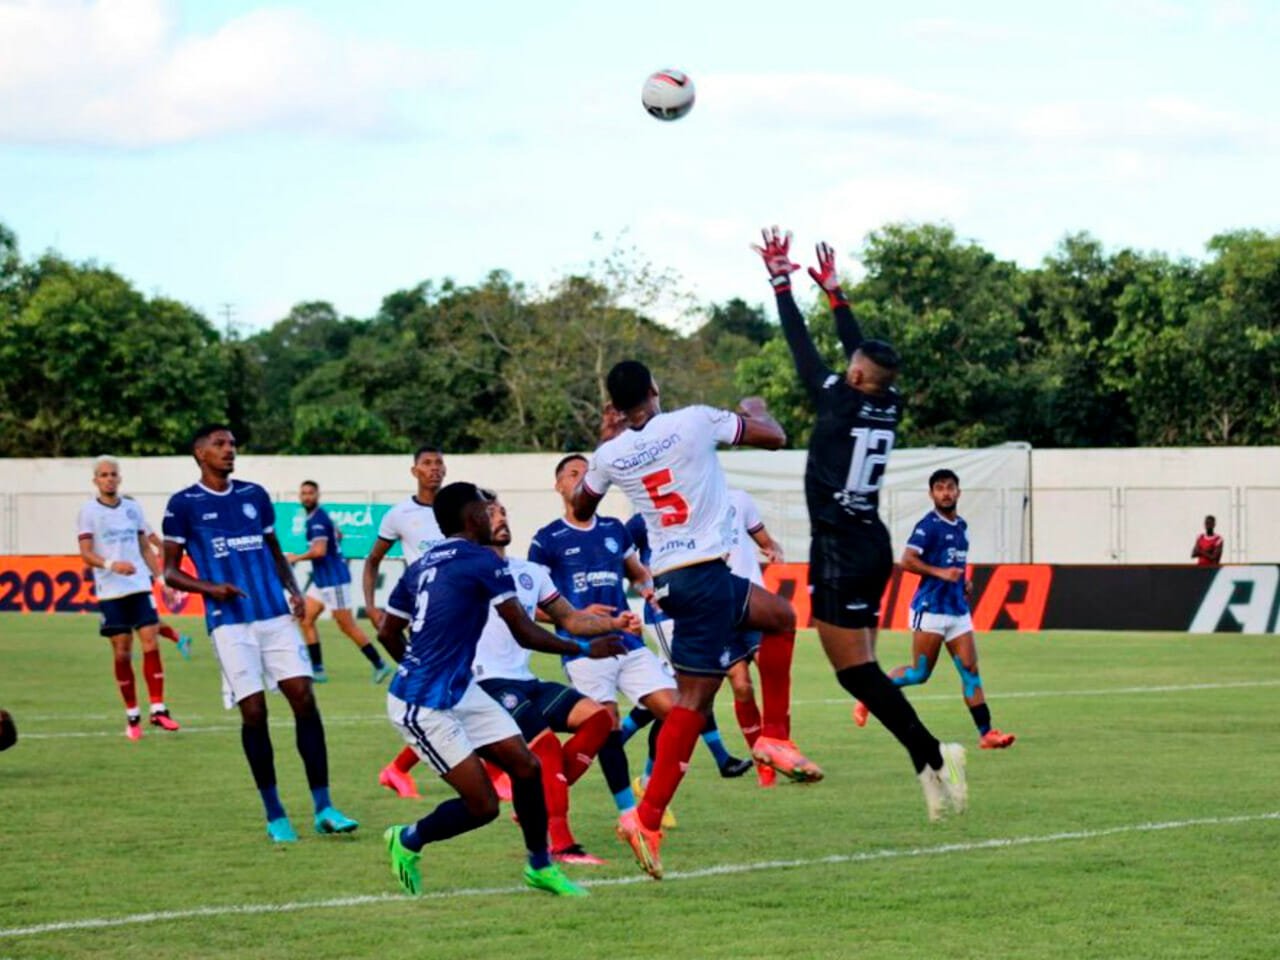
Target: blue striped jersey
(445, 595)
(940, 543)
(224, 534)
(331, 569)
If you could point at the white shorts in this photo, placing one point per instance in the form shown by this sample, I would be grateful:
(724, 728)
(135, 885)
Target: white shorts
(337, 597)
(636, 674)
(950, 626)
(256, 656)
(444, 738)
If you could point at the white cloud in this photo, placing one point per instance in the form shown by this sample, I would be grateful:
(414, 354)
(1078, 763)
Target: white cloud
(117, 72)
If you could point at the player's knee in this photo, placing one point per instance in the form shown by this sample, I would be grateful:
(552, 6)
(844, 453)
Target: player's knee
(526, 767)
(918, 673)
(969, 676)
(482, 806)
(253, 715)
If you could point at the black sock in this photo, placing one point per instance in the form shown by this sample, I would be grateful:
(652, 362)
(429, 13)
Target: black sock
(654, 732)
(868, 683)
(711, 725)
(313, 651)
(257, 749)
(310, 734)
(371, 655)
(981, 717)
(613, 764)
(447, 820)
(531, 808)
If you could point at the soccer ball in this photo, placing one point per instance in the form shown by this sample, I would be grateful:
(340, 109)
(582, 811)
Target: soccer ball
(667, 94)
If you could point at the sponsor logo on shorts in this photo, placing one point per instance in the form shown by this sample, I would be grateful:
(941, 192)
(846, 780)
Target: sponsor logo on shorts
(510, 701)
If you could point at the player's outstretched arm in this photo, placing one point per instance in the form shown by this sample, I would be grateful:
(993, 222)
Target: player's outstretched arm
(759, 429)
(369, 578)
(391, 635)
(777, 261)
(824, 275)
(532, 637)
(179, 579)
(591, 622)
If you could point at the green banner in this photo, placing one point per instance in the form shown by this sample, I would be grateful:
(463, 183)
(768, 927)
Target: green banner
(357, 522)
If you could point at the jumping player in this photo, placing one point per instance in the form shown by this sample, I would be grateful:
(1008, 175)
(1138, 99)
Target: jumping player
(666, 464)
(411, 523)
(330, 586)
(228, 527)
(850, 556)
(937, 551)
(113, 537)
(440, 709)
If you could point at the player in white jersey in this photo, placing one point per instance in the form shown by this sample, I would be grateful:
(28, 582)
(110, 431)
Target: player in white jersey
(412, 524)
(666, 463)
(114, 541)
(543, 708)
(749, 533)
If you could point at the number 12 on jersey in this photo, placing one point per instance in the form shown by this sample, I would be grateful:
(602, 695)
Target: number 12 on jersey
(871, 449)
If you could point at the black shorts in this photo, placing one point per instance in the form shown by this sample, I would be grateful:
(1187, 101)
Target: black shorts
(706, 603)
(535, 705)
(848, 573)
(126, 614)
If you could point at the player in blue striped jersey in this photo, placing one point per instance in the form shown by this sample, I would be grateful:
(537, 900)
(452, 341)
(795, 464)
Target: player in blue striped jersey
(228, 528)
(938, 552)
(330, 585)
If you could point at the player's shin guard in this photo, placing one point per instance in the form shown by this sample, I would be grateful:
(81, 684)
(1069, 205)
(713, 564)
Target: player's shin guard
(774, 663)
(680, 732)
(748, 715)
(981, 717)
(256, 741)
(582, 747)
(168, 633)
(153, 673)
(617, 774)
(868, 683)
(447, 820)
(405, 760)
(311, 746)
(634, 722)
(127, 684)
(555, 788)
(531, 808)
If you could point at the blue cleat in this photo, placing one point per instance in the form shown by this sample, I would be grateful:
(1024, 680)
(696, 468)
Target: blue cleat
(318, 675)
(333, 820)
(280, 830)
(184, 646)
(381, 673)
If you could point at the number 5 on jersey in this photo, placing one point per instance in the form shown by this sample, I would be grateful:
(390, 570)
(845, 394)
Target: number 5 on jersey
(672, 508)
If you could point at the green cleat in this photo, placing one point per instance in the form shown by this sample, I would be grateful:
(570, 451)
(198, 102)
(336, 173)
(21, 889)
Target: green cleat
(184, 646)
(381, 673)
(318, 675)
(404, 862)
(280, 830)
(333, 820)
(553, 880)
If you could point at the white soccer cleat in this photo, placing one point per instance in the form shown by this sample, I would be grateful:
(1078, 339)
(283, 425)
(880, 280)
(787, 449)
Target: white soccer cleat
(935, 793)
(953, 776)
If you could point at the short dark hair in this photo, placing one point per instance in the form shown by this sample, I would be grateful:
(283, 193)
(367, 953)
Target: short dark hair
(452, 501)
(628, 384)
(1209, 517)
(426, 448)
(206, 431)
(565, 461)
(309, 483)
(944, 474)
(8, 730)
(880, 353)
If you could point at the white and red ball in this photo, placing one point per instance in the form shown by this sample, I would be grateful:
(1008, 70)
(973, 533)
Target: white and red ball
(668, 94)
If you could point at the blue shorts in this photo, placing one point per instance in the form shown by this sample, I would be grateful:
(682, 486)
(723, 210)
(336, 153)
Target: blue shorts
(535, 705)
(126, 614)
(706, 603)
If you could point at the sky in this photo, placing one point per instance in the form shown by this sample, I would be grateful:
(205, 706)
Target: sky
(260, 154)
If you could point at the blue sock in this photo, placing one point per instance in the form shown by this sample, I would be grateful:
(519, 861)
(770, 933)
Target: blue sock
(410, 839)
(320, 797)
(648, 769)
(271, 802)
(712, 739)
(540, 860)
(627, 728)
(624, 799)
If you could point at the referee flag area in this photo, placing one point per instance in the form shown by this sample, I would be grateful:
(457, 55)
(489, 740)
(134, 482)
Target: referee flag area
(1136, 816)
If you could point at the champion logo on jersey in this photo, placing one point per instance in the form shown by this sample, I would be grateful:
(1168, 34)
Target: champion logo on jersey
(250, 511)
(611, 544)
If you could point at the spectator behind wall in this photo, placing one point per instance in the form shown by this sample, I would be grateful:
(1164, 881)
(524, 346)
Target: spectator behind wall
(1208, 549)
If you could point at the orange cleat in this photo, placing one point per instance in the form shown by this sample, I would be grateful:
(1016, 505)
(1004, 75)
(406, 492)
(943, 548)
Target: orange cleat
(860, 713)
(574, 853)
(161, 719)
(783, 756)
(766, 776)
(393, 778)
(995, 740)
(644, 843)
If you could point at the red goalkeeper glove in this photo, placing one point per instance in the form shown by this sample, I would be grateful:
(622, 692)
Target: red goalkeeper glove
(776, 256)
(825, 276)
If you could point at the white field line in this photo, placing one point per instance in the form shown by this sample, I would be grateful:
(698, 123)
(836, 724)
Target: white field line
(725, 869)
(381, 718)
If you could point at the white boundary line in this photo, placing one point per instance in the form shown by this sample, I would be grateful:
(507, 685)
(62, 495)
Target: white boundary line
(726, 869)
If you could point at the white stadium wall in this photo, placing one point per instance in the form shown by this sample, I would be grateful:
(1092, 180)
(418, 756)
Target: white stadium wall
(1046, 506)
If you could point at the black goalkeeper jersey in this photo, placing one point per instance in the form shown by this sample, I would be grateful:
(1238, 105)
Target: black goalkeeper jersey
(852, 437)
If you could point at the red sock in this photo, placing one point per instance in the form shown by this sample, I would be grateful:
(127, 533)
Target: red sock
(153, 673)
(405, 760)
(774, 663)
(167, 632)
(748, 715)
(128, 687)
(680, 732)
(582, 747)
(555, 789)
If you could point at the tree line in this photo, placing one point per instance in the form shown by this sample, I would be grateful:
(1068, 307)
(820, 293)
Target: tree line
(1088, 349)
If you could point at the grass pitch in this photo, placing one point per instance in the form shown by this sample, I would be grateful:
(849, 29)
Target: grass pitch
(1138, 815)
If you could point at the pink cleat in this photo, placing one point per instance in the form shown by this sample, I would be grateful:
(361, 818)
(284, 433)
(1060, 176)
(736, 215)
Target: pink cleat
(133, 728)
(574, 853)
(995, 740)
(393, 778)
(161, 719)
(766, 776)
(860, 713)
(783, 756)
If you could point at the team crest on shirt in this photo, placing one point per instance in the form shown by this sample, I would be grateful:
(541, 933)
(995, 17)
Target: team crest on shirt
(611, 544)
(724, 658)
(526, 581)
(510, 701)
(250, 511)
